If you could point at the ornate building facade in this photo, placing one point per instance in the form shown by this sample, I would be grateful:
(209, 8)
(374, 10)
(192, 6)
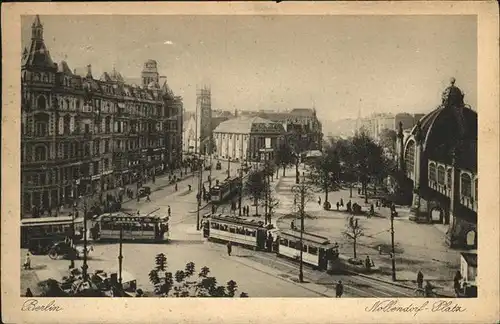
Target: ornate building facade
(439, 161)
(82, 135)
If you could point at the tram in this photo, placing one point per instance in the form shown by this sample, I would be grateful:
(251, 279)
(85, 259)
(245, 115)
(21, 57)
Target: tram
(137, 228)
(39, 234)
(221, 192)
(249, 233)
(317, 250)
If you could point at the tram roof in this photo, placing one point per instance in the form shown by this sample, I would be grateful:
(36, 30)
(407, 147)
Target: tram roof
(237, 220)
(130, 218)
(49, 220)
(310, 237)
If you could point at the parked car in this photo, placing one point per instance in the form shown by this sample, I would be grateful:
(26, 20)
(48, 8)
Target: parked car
(144, 191)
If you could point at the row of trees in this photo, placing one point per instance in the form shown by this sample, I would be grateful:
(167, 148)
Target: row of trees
(257, 186)
(355, 160)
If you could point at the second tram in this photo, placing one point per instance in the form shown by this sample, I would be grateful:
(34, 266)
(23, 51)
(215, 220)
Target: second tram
(225, 190)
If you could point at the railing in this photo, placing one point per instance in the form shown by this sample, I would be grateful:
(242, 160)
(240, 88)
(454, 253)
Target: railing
(468, 202)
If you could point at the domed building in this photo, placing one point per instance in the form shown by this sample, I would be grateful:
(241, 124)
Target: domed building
(439, 163)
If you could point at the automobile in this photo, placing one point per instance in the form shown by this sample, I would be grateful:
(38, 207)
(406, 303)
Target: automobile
(218, 166)
(65, 250)
(208, 167)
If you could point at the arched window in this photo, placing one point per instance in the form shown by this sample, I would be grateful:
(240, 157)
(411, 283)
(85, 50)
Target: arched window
(410, 157)
(40, 153)
(465, 185)
(449, 176)
(41, 124)
(41, 103)
(440, 175)
(432, 171)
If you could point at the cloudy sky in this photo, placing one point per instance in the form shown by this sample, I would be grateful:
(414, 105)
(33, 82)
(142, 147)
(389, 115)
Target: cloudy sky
(341, 63)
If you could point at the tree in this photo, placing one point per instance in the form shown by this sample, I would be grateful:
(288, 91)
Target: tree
(353, 230)
(284, 157)
(326, 169)
(256, 187)
(388, 139)
(184, 283)
(368, 159)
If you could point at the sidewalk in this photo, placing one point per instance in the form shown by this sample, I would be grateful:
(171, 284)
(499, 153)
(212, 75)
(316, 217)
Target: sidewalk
(160, 183)
(417, 246)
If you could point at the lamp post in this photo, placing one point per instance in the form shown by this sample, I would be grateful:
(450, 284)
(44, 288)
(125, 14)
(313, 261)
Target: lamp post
(72, 259)
(228, 166)
(302, 190)
(393, 256)
(120, 258)
(84, 266)
(200, 184)
(241, 189)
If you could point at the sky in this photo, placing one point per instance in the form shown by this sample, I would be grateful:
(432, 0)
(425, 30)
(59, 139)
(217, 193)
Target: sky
(341, 65)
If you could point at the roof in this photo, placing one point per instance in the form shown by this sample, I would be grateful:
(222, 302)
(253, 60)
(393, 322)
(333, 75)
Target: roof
(303, 112)
(247, 125)
(49, 220)
(63, 67)
(237, 220)
(470, 258)
(307, 237)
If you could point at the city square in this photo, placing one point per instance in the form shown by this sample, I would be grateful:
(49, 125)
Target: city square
(129, 181)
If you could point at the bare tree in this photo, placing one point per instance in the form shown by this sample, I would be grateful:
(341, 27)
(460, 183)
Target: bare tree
(353, 230)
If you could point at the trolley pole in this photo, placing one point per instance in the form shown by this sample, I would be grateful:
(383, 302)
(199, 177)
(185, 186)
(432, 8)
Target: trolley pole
(393, 256)
(84, 266)
(241, 190)
(120, 258)
(200, 184)
(302, 206)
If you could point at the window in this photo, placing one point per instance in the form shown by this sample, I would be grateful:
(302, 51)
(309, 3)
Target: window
(96, 147)
(440, 175)
(410, 157)
(465, 185)
(313, 250)
(292, 244)
(106, 146)
(304, 247)
(432, 171)
(41, 103)
(40, 153)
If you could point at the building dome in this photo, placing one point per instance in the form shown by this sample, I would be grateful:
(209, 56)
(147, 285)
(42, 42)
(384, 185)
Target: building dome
(451, 126)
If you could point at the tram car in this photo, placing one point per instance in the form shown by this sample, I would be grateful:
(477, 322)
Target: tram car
(318, 252)
(225, 190)
(248, 233)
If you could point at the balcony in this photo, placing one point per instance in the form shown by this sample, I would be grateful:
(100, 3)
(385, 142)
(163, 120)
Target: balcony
(468, 202)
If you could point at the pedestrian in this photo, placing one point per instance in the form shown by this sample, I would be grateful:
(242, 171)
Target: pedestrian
(229, 248)
(339, 289)
(147, 198)
(28, 293)
(292, 224)
(368, 263)
(138, 197)
(138, 213)
(27, 262)
(372, 210)
(428, 289)
(189, 188)
(456, 283)
(176, 186)
(169, 211)
(319, 201)
(295, 201)
(341, 202)
(338, 205)
(420, 279)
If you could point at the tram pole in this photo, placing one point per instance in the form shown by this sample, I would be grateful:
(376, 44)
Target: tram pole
(84, 266)
(120, 258)
(302, 206)
(393, 256)
(241, 189)
(200, 184)
(72, 261)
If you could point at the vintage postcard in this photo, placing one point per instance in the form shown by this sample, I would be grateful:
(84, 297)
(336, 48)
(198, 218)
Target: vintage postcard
(303, 162)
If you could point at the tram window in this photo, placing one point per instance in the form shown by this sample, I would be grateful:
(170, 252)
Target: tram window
(284, 242)
(56, 229)
(232, 230)
(304, 248)
(313, 250)
(291, 244)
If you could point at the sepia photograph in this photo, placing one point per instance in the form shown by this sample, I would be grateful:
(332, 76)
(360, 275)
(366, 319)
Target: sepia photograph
(249, 156)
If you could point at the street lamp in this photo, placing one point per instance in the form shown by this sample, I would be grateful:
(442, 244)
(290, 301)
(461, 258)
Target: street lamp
(84, 266)
(228, 166)
(302, 189)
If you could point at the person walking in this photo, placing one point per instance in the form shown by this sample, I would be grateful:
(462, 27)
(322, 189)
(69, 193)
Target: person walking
(341, 202)
(319, 201)
(229, 248)
(339, 289)
(420, 279)
(27, 262)
(292, 224)
(147, 198)
(169, 211)
(338, 205)
(176, 186)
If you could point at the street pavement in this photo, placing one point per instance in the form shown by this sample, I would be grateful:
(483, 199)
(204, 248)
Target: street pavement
(417, 246)
(186, 245)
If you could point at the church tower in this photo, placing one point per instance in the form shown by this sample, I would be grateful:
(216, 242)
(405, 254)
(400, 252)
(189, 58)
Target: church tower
(150, 73)
(204, 111)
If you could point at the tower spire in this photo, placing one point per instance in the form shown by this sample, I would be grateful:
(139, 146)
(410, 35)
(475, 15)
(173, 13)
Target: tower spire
(37, 29)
